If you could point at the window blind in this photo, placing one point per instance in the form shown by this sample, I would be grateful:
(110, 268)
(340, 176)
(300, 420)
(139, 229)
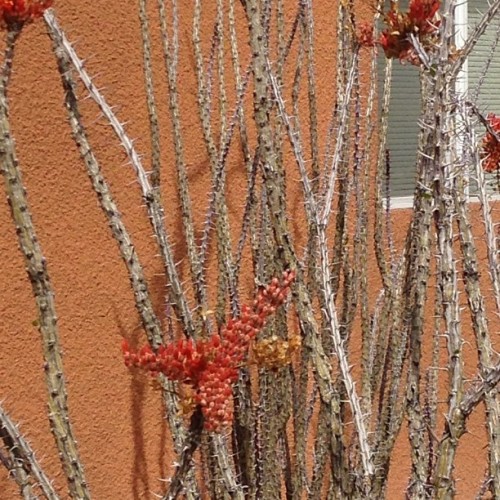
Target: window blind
(488, 97)
(402, 131)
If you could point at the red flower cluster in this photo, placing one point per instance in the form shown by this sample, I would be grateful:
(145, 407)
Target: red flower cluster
(211, 365)
(19, 12)
(490, 147)
(421, 20)
(365, 35)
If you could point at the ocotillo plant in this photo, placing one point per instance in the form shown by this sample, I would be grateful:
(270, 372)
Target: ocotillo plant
(321, 360)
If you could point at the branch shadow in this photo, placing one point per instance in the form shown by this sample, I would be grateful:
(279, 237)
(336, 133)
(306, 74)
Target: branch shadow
(138, 386)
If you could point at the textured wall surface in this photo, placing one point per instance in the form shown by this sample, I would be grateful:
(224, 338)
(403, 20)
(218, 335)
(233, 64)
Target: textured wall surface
(117, 417)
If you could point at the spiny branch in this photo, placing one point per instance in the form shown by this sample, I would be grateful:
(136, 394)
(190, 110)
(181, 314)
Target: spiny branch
(155, 209)
(36, 267)
(23, 464)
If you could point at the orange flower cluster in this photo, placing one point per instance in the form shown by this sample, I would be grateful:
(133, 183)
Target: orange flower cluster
(274, 353)
(421, 20)
(490, 147)
(19, 12)
(211, 365)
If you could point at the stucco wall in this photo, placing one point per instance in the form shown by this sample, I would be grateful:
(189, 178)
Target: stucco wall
(117, 418)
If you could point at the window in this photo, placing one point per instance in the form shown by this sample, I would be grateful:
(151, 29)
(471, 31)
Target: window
(404, 107)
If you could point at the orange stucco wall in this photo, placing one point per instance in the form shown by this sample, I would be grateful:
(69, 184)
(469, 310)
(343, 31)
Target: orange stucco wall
(117, 418)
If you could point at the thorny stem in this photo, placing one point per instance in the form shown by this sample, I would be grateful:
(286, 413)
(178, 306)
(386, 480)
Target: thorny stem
(379, 176)
(192, 442)
(150, 97)
(170, 46)
(455, 427)
(473, 38)
(329, 311)
(155, 209)
(226, 280)
(128, 253)
(36, 267)
(23, 464)
(487, 356)
(217, 160)
(493, 263)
